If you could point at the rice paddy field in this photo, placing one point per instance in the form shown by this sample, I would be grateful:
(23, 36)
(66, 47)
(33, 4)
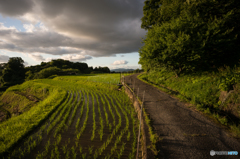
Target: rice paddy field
(81, 117)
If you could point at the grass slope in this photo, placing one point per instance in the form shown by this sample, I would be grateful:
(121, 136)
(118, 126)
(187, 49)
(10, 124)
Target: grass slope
(16, 127)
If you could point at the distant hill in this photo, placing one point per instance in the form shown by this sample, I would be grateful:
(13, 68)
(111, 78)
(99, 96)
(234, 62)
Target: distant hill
(122, 70)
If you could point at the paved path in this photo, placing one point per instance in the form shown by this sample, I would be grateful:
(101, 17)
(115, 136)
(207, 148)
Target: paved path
(185, 132)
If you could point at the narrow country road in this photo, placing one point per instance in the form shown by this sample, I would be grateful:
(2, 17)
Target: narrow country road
(185, 132)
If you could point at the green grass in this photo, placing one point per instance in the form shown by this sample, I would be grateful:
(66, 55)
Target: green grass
(21, 98)
(16, 127)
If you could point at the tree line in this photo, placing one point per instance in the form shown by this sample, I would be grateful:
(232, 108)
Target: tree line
(14, 72)
(188, 36)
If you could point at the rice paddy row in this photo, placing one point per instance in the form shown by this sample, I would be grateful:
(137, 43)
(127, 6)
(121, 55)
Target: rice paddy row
(94, 121)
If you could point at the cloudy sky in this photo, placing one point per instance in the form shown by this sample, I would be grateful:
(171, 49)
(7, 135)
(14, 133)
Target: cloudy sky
(98, 32)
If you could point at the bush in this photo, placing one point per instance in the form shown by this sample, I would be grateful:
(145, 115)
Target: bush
(45, 73)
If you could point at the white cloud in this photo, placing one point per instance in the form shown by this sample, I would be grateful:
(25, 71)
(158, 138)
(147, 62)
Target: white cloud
(29, 27)
(42, 27)
(26, 64)
(120, 62)
(4, 58)
(76, 58)
(125, 67)
(69, 57)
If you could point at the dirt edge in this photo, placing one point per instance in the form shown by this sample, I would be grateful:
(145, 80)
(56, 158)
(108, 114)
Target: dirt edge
(137, 108)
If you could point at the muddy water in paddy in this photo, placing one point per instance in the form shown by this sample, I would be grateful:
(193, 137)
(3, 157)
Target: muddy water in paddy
(69, 135)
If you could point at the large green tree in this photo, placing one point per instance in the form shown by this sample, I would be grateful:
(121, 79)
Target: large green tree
(14, 72)
(200, 36)
(159, 11)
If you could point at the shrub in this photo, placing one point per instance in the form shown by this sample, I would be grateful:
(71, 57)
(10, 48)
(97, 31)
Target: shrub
(45, 73)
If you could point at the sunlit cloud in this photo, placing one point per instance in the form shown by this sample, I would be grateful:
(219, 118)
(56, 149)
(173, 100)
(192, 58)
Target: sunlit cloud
(120, 62)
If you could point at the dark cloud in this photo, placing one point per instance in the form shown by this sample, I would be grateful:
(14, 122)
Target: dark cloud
(15, 7)
(37, 57)
(4, 58)
(93, 27)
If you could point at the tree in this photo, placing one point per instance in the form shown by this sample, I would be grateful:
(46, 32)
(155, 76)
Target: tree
(150, 11)
(204, 35)
(156, 12)
(14, 72)
(80, 66)
(2, 66)
(47, 72)
(29, 75)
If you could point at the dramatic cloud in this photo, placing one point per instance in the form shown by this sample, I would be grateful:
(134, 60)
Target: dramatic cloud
(73, 58)
(93, 27)
(15, 8)
(4, 58)
(120, 62)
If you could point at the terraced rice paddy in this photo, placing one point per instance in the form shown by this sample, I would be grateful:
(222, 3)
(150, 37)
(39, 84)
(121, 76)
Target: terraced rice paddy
(95, 120)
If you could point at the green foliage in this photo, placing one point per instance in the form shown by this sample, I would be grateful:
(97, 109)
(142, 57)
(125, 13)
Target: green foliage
(16, 127)
(193, 36)
(29, 75)
(51, 77)
(13, 72)
(70, 69)
(228, 78)
(101, 70)
(200, 89)
(2, 66)
(150, 11)
(160, 11)
(45, 73)
(67, 68)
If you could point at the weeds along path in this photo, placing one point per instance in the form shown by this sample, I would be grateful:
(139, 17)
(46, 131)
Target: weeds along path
(185, 133)
(94, 121)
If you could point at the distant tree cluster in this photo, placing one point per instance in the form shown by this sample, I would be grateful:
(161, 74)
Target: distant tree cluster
(101, 70)
(188, 35)
(14, 72)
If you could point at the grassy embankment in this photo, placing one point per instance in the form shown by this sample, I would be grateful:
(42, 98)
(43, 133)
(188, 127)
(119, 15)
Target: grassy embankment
(203, 91)
(27, 109)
